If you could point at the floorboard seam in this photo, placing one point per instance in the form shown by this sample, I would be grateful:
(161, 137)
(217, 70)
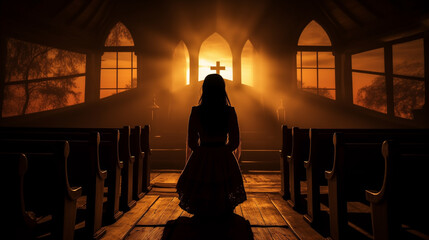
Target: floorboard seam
(284, 218)
(138, 220)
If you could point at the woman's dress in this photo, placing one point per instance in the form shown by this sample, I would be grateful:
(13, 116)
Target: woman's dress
(211, 183)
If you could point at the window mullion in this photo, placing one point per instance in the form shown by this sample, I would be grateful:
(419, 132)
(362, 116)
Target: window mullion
(117, 71)
(388, 65)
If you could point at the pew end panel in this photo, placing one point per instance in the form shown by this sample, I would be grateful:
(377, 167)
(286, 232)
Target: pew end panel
(126, 199)
(299, 153)
(136, 150)
(401, 201)
(145, 146)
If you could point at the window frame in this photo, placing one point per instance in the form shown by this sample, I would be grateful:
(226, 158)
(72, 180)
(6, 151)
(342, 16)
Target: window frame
(389, 74)
(117, 50)
(316, 49)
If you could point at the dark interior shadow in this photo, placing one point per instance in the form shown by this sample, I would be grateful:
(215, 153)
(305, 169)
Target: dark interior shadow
(234, 227)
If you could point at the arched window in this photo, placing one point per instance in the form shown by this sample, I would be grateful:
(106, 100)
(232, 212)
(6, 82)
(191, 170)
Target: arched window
(180, 66)
(247, 63)
(215, 53)
(40, 78)
(118, 63)
(315, 62)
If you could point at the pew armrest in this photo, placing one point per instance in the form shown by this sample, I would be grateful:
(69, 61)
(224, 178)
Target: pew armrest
(307, 164)
(102, 174)
(289, 159)
(74, 192)
(329, 174)
(374, 196)
(132, 159)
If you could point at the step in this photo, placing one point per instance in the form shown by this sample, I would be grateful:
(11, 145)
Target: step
(168, 158)
(267, 160)
(262, 159)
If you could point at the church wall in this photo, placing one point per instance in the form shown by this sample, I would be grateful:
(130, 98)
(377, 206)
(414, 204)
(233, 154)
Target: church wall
(273, 26)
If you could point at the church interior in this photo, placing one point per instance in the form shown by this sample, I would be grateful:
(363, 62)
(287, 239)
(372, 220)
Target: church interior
(292, 68)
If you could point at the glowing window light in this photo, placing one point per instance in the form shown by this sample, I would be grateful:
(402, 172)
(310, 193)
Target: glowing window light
(247, 58)
(215, 49)
(180, 66)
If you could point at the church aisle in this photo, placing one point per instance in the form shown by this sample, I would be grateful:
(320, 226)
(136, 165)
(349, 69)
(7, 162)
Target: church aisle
(265, 215)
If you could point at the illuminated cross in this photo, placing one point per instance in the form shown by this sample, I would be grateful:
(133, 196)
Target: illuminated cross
(218, 67)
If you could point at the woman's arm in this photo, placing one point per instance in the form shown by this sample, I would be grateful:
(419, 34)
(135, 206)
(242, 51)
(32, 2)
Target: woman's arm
(192, 130)
(233, 131)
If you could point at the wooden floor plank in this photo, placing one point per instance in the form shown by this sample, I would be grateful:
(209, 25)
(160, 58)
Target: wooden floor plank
(280, 233)
(172, 212)
(154, 175)
(262, 178)
(146, 233)
(265, 210)
(119, 229)
(251, 212)
(260, 233)
(155, 212)
(269, 212)
(186, 214)
(238, 211)
(295, 220)
(166, 178)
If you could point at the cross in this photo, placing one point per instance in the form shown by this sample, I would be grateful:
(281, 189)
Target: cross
(218, 67)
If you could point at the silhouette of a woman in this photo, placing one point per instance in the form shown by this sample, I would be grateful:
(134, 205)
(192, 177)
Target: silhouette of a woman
(211, 184)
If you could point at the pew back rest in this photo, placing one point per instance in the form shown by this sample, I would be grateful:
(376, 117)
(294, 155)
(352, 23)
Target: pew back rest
(322, 148)
(358, 160)
(84, 150)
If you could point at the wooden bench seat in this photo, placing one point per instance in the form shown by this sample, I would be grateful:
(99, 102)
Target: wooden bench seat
(108, 156)
(84, 170)
(321, 158)
(44, 189)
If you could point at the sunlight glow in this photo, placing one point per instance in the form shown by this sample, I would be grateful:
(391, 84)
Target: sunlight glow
(314, 35)
(215, 48)
(180, 66)
(247, 59)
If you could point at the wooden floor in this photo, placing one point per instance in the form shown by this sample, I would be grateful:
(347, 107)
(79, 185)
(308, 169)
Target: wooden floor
(265, 215)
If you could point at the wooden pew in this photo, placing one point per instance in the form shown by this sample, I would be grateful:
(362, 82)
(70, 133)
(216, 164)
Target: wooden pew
(126, 202)
(358, 165)
(139, 147)
(284, 165)
(403, 198)
(19, 223)
(109, 160)
(84, 170)
(299, 153)
(136, 151)
(145, 146)
(321, 158)
(46, 190)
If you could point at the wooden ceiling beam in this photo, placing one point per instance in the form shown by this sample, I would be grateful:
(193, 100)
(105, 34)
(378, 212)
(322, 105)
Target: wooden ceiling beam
(329, 16)
(352, 16)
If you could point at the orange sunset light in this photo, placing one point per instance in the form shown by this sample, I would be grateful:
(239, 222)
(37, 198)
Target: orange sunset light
(215, 49)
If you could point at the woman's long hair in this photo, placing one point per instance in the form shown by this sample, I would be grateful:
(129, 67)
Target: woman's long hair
(214, 93)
